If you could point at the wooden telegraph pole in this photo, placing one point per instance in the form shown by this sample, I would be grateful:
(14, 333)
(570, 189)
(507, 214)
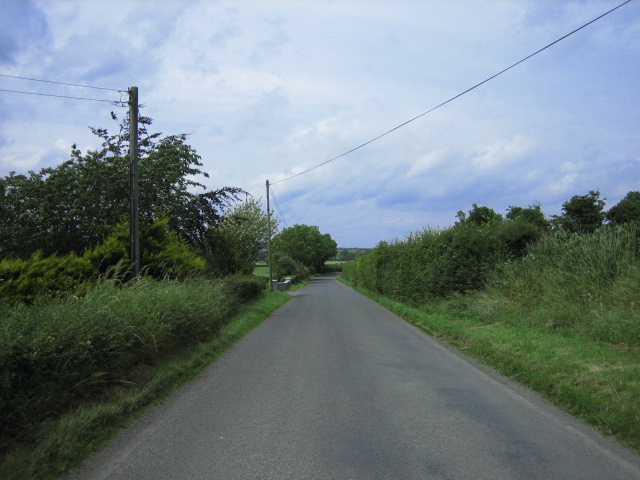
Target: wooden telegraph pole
(269, 240)
(134, 214)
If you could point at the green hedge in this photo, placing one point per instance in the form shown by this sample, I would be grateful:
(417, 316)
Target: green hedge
(437, 263)
(57, 355)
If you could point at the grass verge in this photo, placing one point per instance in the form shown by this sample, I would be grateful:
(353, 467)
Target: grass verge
(65, 442)
(594, 381)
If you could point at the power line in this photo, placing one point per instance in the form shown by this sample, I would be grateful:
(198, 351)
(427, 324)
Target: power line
(455, 97)
(275, 200)
(62, 83)
(63, 96)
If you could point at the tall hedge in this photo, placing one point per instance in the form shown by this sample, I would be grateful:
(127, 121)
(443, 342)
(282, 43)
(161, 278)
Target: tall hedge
(440, 262)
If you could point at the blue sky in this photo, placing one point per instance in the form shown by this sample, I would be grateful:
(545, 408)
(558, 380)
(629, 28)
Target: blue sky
(267, 89)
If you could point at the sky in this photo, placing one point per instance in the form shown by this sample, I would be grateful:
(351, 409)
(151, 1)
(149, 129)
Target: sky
(268, 89)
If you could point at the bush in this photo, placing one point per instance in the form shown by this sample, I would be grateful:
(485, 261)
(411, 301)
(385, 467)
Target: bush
(162, 252)
(163, 255)
(55, 356)
(246, 287)
(285, 266)
(29, 280)
(439, 263)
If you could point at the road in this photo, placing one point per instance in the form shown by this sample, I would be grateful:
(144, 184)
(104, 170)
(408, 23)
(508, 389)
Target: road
(332, 386)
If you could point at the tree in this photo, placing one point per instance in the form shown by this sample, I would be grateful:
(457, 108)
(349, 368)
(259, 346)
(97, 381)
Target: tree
(481, 215)
(582, 214)
(533, 215)
(75, 205)
(346, 255)
(478, 216)
(235, 244)
(627, 210)
(306, 245)
(523, 228)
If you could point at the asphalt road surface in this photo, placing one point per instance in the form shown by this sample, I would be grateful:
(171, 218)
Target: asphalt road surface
(332, 386)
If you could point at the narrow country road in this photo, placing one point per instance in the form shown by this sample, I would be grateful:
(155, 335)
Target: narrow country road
(332, 386)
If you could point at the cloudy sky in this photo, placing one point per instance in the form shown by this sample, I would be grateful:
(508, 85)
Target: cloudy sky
(268, 89)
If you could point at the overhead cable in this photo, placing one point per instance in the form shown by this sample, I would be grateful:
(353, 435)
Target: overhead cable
(453, 98)
(275, 200)
(62, 96)
(61, 83)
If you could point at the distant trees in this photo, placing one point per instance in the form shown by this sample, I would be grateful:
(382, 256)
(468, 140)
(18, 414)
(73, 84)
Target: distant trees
(581, 214)
(626, 211)
(305, 244)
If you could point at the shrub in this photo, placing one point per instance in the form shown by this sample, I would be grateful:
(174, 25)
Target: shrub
(246, 287)
(28, 280)
(285, 266)
(55, 356)
(162, 252)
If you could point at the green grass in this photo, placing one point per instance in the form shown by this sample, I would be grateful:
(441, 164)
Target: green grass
(595, 381)
(261, 271)
(64, 441)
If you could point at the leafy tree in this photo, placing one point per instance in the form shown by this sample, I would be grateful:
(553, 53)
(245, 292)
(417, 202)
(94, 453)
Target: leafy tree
(523, 227)
(627, 210)
(235, 244)
(75, 205)
(582, 214)
(533, 215)
(481, 215)
(478, 216)
(306, 245)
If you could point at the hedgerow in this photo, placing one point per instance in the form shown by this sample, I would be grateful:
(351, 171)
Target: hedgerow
(58, 355)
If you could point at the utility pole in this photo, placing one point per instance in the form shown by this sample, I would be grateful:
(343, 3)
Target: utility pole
(269, 240)
(134, 214)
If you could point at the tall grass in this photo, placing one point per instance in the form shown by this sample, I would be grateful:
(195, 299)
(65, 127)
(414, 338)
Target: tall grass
(588, 285)
(57, 355)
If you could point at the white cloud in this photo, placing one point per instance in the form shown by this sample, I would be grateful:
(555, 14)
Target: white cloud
(501, 153)
(425, 163)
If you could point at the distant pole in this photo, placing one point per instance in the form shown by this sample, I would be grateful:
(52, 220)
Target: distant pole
(269, 240)
(134, 214)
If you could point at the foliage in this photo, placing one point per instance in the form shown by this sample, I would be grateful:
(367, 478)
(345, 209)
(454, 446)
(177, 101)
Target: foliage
(438, 263)
(306, 245)
(55, 356)
(39, 277)
(532, 215)
(162, 252)
(625, 211)
(285, 266)
(75, 205)
(479, 216)
(346, 255)
(246, 287)
(585, 283)
(163, 255)
(581, 214)
(235, 244)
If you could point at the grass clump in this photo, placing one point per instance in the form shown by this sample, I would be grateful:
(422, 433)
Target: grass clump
(585, 285)
(58, 355)
(61, 441)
